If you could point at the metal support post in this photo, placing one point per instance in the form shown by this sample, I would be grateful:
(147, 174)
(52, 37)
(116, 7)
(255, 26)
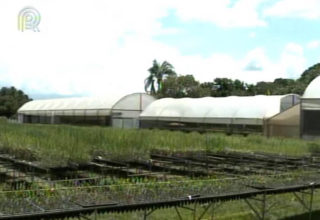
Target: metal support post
(146, 213)
(195, 211)
(177, 210)
(307, 205)
(205, 210)
(262, 211)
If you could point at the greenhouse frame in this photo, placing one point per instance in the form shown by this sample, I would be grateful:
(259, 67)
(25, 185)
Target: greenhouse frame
(285, 115)
(232, 114)
(310, 111)
(110, 110)
(284, 124)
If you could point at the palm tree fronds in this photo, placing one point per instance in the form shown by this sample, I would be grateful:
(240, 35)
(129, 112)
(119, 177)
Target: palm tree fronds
(157, 73)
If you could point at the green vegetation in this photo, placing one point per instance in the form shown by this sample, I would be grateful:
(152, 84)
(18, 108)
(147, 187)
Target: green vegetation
(157, 73)
(182, 86)
(53, 145)
(55, 197)
(10, 100)
(179, 86)
(286, 207)
(58, 145)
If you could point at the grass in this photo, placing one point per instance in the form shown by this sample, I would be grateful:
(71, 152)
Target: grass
(58, 145)
(54, 145)
(285, 204)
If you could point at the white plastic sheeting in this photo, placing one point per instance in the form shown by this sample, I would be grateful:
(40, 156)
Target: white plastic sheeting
(129, 105)
(100, 106)
(310, 114)
(229, 110)
(313, 90)
(284, 124)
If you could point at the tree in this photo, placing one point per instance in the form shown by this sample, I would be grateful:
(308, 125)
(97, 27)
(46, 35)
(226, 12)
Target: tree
(182, 86)
(223, 87)
(157, 73)
(188, 86)
(11, 100)
(284, 86)
(306, 78)
(264, 88)
(310, 74)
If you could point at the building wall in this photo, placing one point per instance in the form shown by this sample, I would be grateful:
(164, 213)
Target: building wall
(74, 120)
(310, 118)
(310, 124)
(201, 127)
(123, 113)
(125, 123)
(284, 124)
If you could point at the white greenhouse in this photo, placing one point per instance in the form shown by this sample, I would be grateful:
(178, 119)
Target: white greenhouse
(231, 114)
(310, 111)
(116, 110)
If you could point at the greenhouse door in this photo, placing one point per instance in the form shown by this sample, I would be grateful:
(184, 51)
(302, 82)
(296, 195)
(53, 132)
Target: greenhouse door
(125, 123)
(311, 122)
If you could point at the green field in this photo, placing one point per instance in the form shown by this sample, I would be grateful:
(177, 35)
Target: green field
(54, 145)
(60, 145)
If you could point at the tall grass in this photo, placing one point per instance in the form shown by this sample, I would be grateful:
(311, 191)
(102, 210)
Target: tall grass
(54, 145)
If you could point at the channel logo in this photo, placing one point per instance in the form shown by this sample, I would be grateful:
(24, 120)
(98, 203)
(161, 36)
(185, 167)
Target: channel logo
(29, 19)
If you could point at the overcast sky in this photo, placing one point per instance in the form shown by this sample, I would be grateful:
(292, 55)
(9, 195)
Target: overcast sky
(92, 47)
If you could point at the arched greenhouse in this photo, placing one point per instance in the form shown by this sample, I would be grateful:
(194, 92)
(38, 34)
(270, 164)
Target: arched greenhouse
(116, 110)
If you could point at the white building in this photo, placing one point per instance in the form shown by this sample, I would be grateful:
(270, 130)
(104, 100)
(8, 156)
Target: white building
(310, 111)
(116, 110)
(229, 114)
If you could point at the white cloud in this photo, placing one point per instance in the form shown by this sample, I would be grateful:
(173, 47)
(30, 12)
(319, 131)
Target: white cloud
(294, 49)
(242, 13)
(93, 48)
(308, 9)
(292, 60)
(313, 44)
(82, 46)
(256, 60)
(255, 66)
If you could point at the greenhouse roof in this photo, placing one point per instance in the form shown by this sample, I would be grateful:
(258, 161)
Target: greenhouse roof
(313, 90)
(106, 103)
(257, 107)
(71, 103)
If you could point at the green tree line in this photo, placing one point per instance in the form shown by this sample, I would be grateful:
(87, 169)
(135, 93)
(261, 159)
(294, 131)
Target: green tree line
(163, 81)
(11, 99)
(170, 84)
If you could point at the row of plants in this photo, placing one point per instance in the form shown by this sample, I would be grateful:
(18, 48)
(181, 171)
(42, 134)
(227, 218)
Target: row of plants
(59, 145)
(65, 198)
(284, 207)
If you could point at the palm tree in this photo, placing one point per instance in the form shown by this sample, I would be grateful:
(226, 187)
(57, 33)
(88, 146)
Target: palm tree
(149, 82)
(157, 73)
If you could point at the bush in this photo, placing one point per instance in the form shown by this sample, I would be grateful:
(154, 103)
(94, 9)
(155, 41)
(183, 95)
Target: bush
(314, 148)
(3, 120)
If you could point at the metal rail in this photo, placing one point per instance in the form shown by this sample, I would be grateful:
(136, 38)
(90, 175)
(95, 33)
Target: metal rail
(119, 208)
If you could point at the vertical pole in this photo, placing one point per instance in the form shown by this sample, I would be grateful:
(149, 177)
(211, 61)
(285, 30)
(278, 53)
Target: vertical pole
(140, 106)
(311, 202)
(206, 155)
(207, 163)
(145, 215)
(212, 211)
(263, 214)
(178, 212)
(195, 211)
(301, 119)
